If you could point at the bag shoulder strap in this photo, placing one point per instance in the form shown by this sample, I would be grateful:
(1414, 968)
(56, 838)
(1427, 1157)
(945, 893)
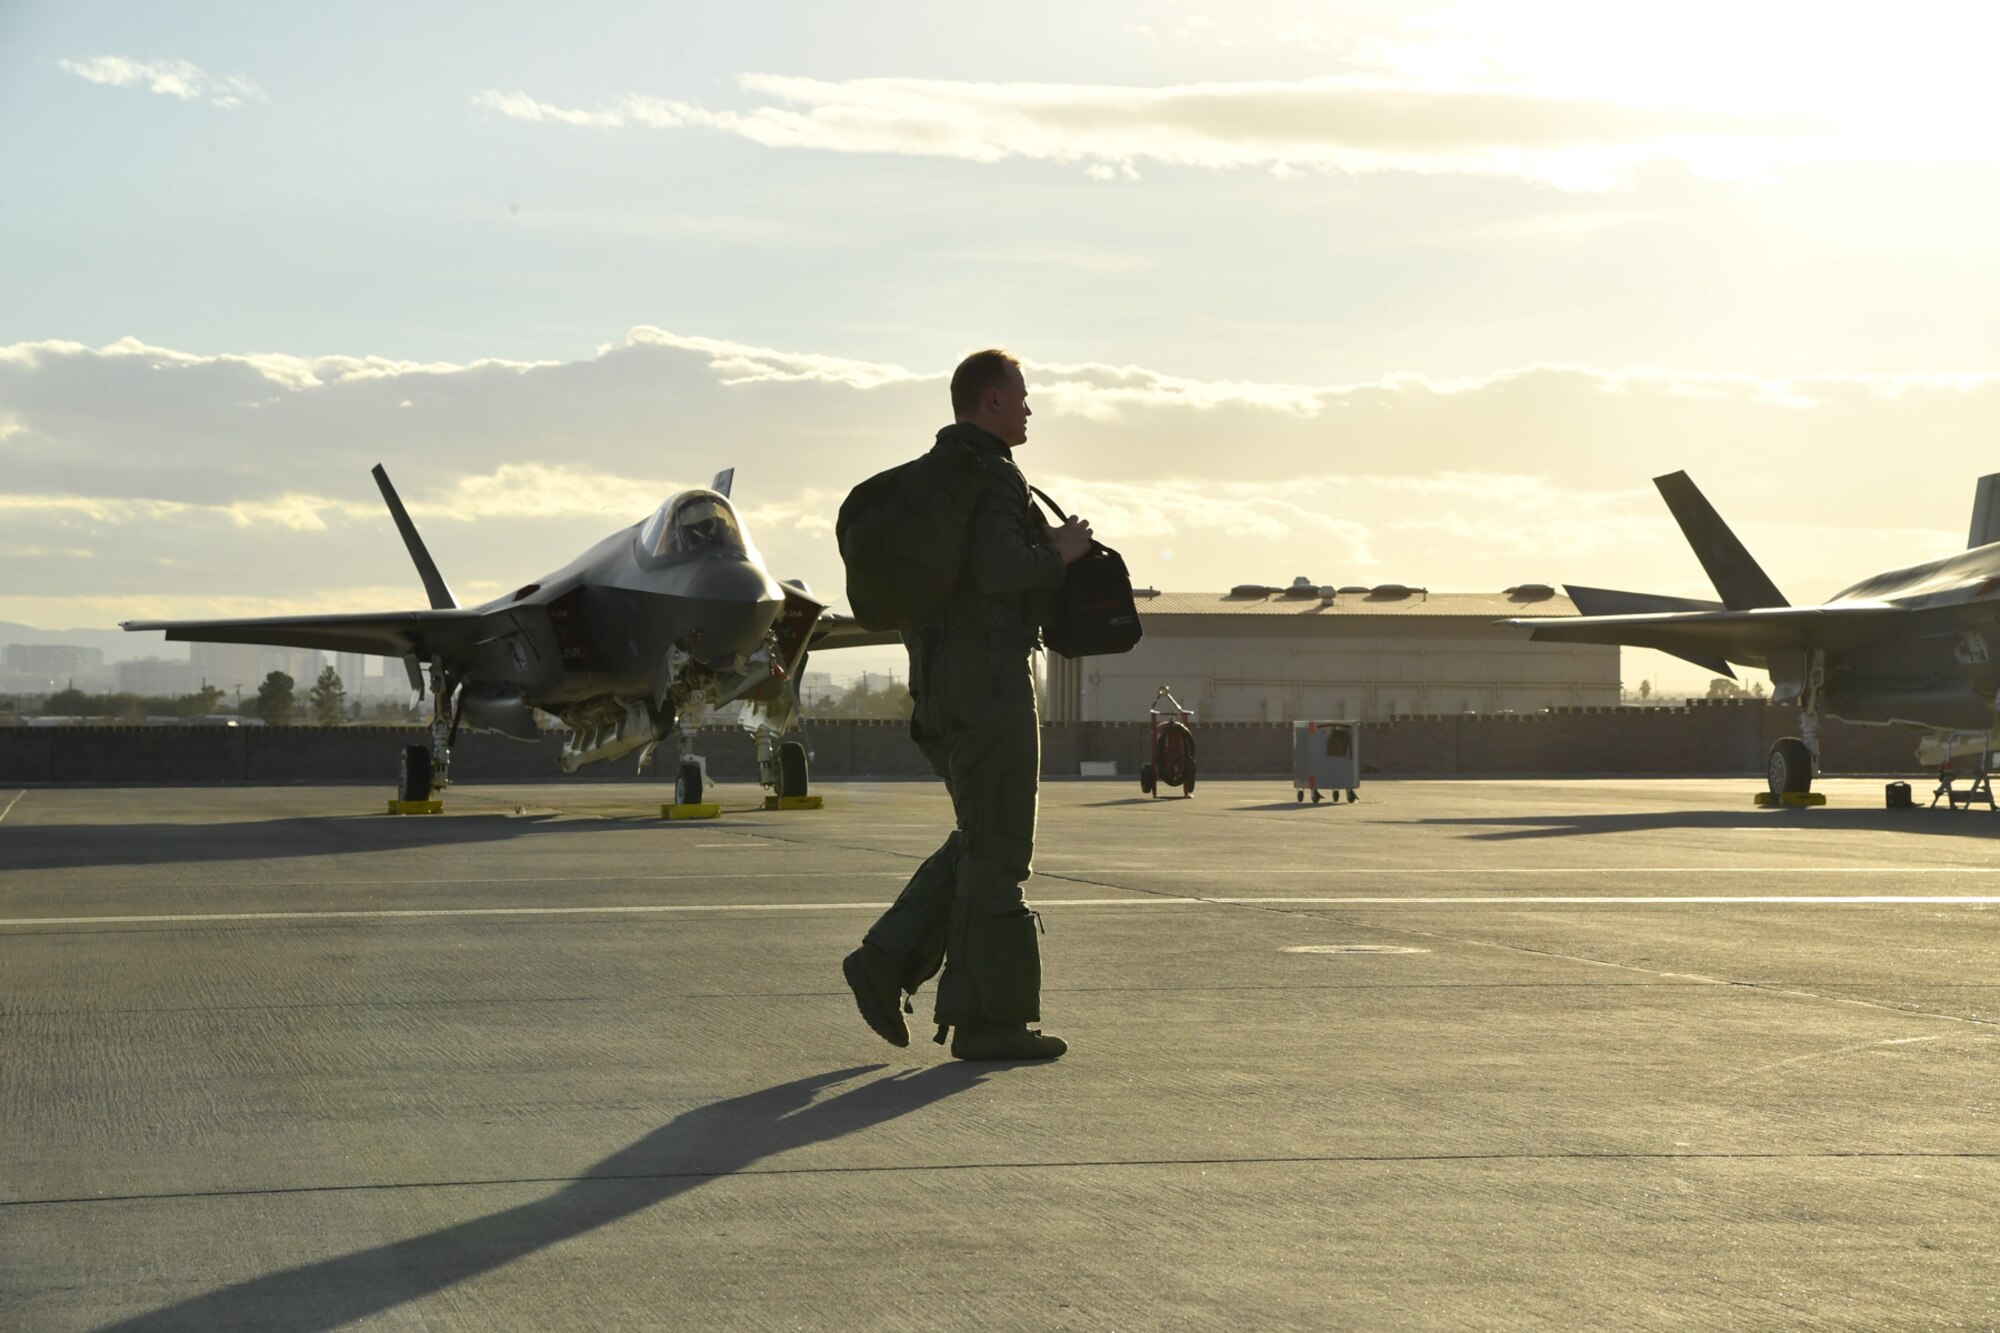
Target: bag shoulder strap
(1061, 517)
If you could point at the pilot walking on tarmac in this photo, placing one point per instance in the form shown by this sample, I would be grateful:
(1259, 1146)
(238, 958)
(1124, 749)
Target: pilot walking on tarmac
(972, 680)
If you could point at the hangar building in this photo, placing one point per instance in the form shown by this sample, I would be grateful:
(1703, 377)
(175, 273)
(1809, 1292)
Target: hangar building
(1272, 654)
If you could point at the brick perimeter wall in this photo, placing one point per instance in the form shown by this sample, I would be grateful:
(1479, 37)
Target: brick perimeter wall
(1724, 738)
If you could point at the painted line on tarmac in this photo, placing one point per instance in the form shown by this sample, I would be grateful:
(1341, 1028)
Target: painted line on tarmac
(11, 804)
(1158, 900)
(1474, 872)
(1078, 876)
(1557, 1156)
(1630, 900)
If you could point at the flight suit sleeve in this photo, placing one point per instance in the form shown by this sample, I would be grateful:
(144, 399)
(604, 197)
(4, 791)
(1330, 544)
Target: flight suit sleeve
(1007, 554)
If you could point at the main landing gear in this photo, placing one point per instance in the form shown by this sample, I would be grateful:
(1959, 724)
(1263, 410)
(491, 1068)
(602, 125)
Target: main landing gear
(1789, 767)
(1794, 760)
(793, 771)
(413, 782)
(691, 781)
(425, 771)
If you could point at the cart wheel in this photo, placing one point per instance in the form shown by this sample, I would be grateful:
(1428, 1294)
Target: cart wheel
(1301, 794)
(1146, 782)
(1187, 785)
(1315, 795)
(1350, 796)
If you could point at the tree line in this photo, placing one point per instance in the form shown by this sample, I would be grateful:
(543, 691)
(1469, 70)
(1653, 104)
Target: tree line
(863, 700)
(277, 702)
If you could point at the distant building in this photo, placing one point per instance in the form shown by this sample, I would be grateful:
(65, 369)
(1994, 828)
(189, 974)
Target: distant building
(232, 667)
(303, 665)
(352, 668)
(1264, 654)
(156, 676)
(44, 668)
(53, 659)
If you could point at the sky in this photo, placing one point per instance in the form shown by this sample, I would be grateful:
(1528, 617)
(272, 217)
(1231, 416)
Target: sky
(1387, 292)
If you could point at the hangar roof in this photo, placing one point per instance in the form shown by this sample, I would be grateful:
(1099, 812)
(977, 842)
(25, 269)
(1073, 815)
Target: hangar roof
(1413, 602)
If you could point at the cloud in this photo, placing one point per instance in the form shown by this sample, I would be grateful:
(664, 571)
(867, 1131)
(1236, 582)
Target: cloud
(537, 490)
(741, 363)
(169, 78)
(245, 475)
(1342, 124)
(1185, 510)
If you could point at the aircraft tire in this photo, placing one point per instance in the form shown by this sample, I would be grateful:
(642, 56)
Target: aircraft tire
(793, 774)
(1790, 767)
(413, 781)
(687, 786)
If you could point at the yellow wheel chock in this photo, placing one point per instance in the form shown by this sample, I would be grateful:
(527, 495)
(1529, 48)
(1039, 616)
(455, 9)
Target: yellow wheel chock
(1790, 799)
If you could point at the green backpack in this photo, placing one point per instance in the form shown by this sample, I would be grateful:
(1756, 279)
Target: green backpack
(903, 534)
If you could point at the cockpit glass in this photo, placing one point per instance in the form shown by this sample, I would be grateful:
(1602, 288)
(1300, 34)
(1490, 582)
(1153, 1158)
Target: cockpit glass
(693, 521)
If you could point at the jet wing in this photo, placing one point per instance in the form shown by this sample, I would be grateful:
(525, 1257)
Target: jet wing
(449, 633)
(837, 631)
(1711, 637)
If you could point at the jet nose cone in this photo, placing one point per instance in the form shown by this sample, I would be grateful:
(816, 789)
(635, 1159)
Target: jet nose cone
(736, 581)
(735, 603)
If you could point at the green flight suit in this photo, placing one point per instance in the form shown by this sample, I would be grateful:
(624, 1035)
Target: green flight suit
(972, 680)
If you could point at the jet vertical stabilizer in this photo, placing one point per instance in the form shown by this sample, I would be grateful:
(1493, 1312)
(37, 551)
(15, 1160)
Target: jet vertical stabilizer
(1738, 579)
(1985, 512)
(434, 584)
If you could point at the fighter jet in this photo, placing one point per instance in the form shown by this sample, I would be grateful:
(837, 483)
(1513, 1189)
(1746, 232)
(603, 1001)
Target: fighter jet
(649, 632)
(1911, 647)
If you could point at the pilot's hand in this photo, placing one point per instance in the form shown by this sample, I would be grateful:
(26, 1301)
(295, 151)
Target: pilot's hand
(1072, 539)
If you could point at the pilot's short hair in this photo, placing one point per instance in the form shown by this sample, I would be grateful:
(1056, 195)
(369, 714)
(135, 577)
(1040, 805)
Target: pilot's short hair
(975, 375)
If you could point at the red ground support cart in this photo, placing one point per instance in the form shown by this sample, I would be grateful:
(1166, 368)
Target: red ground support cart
(1169, 747)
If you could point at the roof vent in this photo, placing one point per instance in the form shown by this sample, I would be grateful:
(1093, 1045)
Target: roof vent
(1302, 587)
(1355, 589)
(1325, 591)
(1531, 592)
(1145, 592)
(1389, 590)
(1251, 590)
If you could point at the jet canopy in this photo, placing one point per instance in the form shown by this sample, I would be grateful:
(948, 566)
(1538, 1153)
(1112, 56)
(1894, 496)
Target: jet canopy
(697, 520)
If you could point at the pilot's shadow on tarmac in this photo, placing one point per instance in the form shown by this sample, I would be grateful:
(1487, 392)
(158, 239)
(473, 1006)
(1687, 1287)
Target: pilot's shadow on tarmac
(694, 1148)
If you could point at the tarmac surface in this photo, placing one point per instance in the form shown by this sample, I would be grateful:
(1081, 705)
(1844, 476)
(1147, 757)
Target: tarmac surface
(1466, 1054)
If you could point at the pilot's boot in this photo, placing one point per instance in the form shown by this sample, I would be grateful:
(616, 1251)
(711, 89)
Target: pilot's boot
(1006, 1042)
(877, 993)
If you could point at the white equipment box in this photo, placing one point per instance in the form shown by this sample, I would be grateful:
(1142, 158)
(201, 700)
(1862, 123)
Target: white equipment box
(1326, 759)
